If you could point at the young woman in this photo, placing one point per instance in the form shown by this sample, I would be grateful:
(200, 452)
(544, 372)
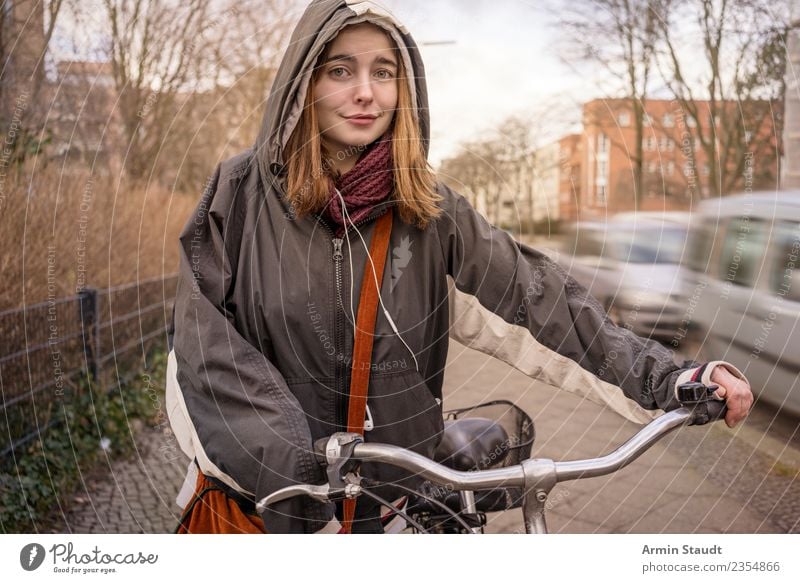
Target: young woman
(275, 254)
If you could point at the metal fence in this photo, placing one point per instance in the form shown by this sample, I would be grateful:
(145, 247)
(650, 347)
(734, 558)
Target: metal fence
(102, 334)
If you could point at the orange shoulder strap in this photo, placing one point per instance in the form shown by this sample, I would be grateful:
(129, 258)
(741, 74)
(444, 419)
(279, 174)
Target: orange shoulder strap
(365, 332)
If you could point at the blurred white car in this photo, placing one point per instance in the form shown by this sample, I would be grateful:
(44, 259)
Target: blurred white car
(743, 285)
(631, 264)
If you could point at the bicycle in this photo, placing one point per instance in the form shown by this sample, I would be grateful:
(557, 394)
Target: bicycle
(470, 482)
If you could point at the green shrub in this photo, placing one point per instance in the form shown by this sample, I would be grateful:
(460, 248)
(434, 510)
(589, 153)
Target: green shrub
(38, 478)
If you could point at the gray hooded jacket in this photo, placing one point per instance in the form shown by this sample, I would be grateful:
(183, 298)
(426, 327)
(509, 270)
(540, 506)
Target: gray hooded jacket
(263, 328)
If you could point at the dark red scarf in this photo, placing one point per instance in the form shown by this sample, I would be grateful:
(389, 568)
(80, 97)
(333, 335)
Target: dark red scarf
(366, 184)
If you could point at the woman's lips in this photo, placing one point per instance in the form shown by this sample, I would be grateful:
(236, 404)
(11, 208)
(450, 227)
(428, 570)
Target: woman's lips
(361, 121)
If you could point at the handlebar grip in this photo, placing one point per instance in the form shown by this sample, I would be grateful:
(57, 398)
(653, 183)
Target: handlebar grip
(716, 409)
(707, 411)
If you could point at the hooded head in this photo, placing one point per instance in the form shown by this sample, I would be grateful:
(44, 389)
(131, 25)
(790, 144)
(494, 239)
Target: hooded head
(306, 129)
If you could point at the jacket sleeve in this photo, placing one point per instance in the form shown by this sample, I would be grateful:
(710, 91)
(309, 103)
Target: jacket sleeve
(513, 302)
(247, 428)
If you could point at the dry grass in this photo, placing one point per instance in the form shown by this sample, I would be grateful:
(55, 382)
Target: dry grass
(60, 231)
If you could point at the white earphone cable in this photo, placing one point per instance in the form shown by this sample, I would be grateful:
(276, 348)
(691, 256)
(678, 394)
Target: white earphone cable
(375, 277)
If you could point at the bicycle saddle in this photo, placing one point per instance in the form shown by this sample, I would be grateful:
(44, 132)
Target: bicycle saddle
(472, 443)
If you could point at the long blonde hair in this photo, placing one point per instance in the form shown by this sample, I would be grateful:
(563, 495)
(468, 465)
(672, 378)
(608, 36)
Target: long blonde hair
(310, 169)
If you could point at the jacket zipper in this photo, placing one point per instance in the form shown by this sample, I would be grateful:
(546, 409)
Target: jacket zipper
(341, 395)
(339, 336)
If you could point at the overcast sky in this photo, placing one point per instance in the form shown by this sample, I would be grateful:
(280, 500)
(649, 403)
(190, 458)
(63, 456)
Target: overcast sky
(503, 62)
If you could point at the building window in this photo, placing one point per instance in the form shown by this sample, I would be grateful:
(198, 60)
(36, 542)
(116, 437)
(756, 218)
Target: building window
(690, 122)
(667, 120)
(748, 135)
(706, 169)
(602, 171)
(646, 120)
(601, 168)
(652, 166)
(670, 168)
(601, 195)
(650, 144)
(602, 143)
(624, 119)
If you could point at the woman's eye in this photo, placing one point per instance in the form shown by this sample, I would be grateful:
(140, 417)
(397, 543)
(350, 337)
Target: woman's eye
(384, 74)
(338, 72)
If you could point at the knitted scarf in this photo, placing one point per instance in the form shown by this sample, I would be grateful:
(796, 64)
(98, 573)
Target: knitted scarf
(363, 186)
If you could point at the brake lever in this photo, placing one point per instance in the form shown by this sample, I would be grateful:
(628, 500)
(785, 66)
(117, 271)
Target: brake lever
(336, 453)
(322, 492)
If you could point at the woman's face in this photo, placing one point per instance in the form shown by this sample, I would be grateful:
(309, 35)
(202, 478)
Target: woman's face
(355, 93)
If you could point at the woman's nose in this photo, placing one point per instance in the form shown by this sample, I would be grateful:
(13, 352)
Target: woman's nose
(363, 92)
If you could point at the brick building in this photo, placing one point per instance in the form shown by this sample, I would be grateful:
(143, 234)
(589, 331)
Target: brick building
(675, 167)
(570, 149)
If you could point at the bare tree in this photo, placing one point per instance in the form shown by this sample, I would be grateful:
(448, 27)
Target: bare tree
(157, 52)
(516, 165)
(622, 37)
(246, 45)
(470, 169)
(461, 173)
(26, 30)
(502, 168)
(262, 29)
(192, 79)
(732, 109)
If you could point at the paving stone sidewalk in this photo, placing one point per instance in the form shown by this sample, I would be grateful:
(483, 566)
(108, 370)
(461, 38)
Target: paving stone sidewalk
(134, 495)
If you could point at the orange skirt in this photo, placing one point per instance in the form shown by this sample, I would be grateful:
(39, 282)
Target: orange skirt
(212, 511)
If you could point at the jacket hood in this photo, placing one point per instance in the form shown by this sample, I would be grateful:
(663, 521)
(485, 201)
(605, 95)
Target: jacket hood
(320, 23)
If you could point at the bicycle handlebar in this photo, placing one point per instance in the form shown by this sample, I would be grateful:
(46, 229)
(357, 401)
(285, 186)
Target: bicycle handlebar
(627, 452)
(436, 472)
(536, 476)
(515, 475)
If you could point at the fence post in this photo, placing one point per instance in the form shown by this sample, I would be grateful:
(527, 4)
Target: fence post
(89, 317)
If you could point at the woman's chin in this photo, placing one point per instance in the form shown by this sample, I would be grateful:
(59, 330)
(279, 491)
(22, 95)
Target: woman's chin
(352, 140)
